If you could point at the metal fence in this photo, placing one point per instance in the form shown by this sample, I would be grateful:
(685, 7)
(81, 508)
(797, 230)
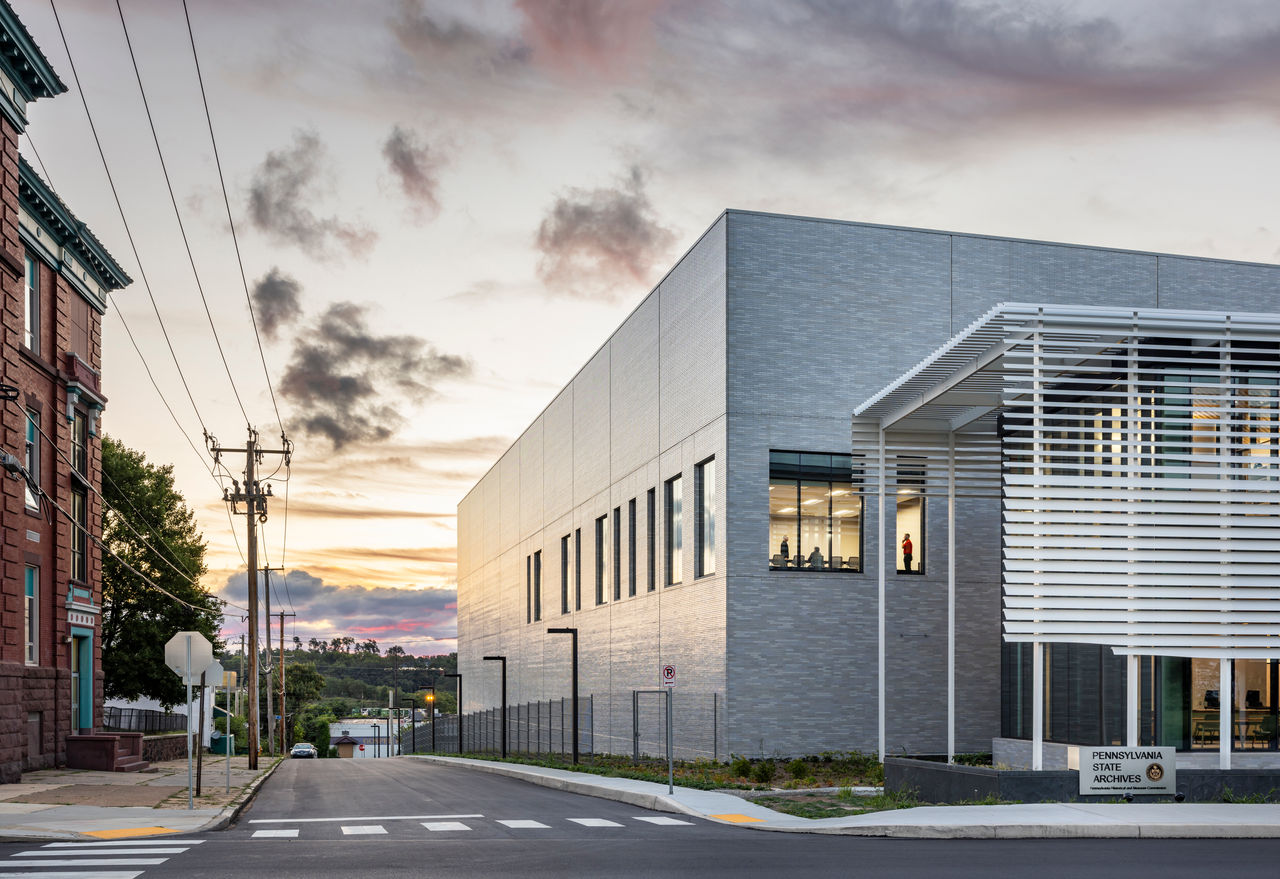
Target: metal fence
(532, 728)
(144, 720)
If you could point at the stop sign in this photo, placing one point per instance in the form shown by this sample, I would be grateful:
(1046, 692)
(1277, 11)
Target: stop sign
(175, 655)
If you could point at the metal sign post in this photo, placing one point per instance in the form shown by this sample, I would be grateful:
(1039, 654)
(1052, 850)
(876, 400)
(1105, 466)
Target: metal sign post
(184, 653)
(635, 732)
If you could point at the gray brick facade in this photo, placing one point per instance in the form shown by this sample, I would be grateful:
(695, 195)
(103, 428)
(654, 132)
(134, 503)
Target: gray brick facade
(766, 335)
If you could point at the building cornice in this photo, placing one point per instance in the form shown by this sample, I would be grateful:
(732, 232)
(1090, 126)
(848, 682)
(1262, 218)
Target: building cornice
(24, 70)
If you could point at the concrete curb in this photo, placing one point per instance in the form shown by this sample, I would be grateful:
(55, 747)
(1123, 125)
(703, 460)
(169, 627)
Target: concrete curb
(238, 805)
(890, 828)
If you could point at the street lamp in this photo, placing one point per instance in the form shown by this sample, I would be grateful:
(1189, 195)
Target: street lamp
(431, 715)
(459, 695)
(503, 660)
(574, 632)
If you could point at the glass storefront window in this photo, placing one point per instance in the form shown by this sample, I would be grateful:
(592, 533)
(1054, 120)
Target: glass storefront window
(815, 513)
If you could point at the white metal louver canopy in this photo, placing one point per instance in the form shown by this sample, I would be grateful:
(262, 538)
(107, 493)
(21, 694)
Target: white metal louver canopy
(1137, 455)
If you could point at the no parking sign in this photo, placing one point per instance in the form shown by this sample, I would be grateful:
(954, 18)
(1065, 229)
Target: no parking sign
(668, 676)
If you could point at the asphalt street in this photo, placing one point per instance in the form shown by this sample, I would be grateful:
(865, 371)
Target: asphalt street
(319, 818)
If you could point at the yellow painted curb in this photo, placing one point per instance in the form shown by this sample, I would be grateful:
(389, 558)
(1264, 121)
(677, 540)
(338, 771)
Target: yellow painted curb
(129, 831)
(739, 819)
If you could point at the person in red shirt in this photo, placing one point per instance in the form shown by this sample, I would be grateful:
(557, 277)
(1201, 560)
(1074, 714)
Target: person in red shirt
(906, 552)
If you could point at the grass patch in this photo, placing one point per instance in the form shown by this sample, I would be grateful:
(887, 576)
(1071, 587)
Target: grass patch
(838, 805)
(830, 769)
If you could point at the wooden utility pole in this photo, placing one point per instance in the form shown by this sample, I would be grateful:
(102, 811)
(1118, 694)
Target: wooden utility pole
(284, 715)
(254, 499)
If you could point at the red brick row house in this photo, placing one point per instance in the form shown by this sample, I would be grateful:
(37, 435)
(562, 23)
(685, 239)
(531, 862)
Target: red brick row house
(55, 277)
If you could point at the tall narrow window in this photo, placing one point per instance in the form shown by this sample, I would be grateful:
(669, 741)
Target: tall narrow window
(30, 614)
(705, 518)
(528, 589)
(577, 569)
(32, 462)
(651, 538)
(564, 574)
(910, 516)
(631, 547)
(537, 586)
(31, 298)
(79, 535)
(80, 443)
(674, 531)
(600, 561)
(617, 553)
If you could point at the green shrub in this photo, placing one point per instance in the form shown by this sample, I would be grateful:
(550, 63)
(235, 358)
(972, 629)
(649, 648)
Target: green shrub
(763, 772)
(740, 767)
(799, 769)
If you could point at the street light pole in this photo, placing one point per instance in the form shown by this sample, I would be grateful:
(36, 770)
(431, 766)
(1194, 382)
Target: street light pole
(574, 632)
(431, 715)
(459, 699)
(503, 660)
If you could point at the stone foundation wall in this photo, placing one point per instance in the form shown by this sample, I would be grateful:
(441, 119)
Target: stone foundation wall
(34, 716)
(173, 747)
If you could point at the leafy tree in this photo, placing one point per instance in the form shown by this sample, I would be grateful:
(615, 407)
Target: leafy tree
(138, 618)
(302, 684)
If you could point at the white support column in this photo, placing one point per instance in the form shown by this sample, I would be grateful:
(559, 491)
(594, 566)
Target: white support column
(1225, 718)
(951, 597)
(880, 603)
(1131, 701)
(1037, 705)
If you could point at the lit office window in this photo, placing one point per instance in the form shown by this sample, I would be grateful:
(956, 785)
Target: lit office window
(674, 531)
(705, 518)
(815, 513)
(910, 517)
(32, 462)
(31, 300)
(600, 561)
(631, 547)
(30, 613)
(564, 574)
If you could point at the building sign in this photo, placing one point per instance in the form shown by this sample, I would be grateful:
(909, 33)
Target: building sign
(1126, 771)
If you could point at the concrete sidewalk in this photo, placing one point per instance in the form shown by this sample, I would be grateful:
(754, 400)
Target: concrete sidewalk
(80, 804)
(1024, 821)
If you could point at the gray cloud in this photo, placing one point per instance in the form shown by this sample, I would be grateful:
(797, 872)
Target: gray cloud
(593, 242)
(409, 616)
(276, 301)
(280, 194)
(350, 384)
(416, 167)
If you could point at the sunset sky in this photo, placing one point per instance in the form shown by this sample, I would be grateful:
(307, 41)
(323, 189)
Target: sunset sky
(444, 208)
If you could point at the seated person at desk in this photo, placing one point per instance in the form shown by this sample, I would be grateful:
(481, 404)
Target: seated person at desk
(815, 558)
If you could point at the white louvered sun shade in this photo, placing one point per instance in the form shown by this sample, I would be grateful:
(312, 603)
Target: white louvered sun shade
(1138, 457)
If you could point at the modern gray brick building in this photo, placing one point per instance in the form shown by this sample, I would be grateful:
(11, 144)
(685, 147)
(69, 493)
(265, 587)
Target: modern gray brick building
(647, 505)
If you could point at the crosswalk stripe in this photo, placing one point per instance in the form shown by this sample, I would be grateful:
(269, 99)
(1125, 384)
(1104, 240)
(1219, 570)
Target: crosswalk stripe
(78, 874)
(362, 829)
(89, 862)
(129, 843)
(360, 818)
(595, 822)
(662, 820)
(444, 825)
(524, 824)
(276, 834)
(113, 852)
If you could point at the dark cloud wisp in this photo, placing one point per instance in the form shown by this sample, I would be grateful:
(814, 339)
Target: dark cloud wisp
(276, 302)
(416, 167)
(280, 196)
(595, 241)
(350, 384)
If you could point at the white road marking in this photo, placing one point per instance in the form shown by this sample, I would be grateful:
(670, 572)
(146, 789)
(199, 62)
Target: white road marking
(445, 825)
(522, 824)
(362, 829)
(78, 874)
(665, 822)
(113, 852)
(595, 822)
(360, 818)
(123, 842)
(276, 834)
(89, 862)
